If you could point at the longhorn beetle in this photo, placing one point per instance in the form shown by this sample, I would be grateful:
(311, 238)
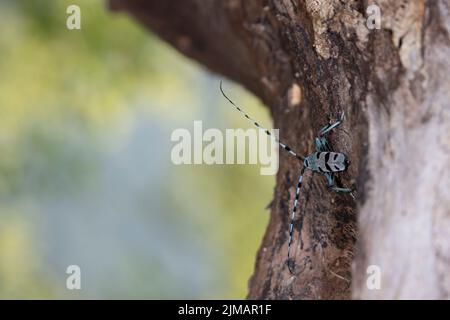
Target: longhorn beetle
(323, 160)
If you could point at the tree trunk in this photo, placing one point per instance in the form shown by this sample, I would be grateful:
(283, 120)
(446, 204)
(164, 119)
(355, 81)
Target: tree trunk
(310, 60)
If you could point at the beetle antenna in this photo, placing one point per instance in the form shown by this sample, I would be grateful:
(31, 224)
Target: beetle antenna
(294, 209)
(284, 146)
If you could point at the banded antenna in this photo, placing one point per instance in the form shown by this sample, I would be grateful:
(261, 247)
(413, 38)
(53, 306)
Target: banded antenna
(291, 225)
(255, 123)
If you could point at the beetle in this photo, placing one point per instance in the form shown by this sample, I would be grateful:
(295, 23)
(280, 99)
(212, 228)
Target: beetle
(323, 160)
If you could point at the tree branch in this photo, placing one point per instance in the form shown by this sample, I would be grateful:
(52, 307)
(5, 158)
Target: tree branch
(312, 59)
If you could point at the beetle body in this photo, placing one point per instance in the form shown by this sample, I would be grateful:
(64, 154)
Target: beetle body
(326, 161)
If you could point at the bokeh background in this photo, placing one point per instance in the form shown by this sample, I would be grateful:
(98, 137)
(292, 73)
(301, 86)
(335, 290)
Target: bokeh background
(85, 171)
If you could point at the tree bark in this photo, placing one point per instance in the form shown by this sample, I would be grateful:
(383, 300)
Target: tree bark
(310, 60)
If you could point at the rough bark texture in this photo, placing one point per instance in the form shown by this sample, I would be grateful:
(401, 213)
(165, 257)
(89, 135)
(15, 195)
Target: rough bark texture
(309, 60)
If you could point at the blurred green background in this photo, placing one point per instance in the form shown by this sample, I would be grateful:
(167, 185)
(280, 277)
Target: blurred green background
(85, 171)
